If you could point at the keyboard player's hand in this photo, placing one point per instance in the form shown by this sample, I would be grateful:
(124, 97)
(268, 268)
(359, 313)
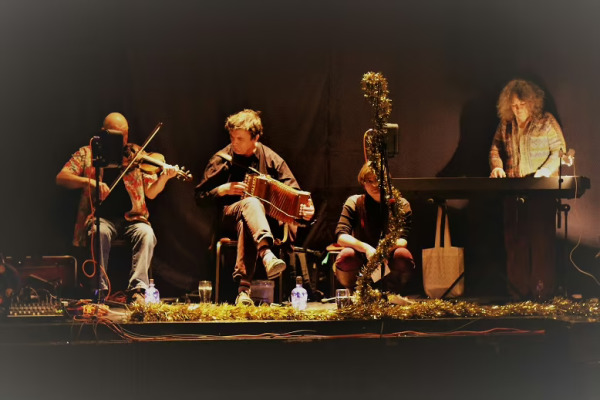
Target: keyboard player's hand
(498, 173)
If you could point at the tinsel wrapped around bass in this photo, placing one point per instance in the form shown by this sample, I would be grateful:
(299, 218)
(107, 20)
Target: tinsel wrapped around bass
(375, 89)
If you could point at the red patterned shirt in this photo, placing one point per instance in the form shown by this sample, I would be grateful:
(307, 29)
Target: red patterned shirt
(81, 164)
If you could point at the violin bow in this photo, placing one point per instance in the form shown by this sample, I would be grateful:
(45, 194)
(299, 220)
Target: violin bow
(148, 140)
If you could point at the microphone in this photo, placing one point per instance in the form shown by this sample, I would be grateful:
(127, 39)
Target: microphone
(107, 148)
(228, 159)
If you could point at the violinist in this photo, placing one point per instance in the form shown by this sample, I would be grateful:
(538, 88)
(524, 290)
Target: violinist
(123, 212)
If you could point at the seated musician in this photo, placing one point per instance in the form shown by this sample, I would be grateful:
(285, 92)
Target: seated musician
(359, 230)
(123, 212)
(527, 142)
(223, 183)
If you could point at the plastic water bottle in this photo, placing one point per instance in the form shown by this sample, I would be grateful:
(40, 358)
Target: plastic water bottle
(299, 295)
(152, 295)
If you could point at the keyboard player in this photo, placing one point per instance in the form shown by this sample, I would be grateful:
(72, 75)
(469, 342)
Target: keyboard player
(527, 142)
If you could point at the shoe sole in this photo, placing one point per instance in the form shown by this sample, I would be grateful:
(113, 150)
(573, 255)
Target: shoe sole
(276, 270)
(244, 302)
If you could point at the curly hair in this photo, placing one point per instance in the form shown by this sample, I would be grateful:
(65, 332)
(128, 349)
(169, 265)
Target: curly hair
(248, 120)
(526, 91)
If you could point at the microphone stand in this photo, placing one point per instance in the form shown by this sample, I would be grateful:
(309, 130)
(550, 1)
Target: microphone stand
(98, 162)
(102, 156)
(382, 200)
(560, 208)
(229, 159)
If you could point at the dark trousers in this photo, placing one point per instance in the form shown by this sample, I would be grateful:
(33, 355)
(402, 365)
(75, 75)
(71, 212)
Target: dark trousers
(530, 242)
(401, 264)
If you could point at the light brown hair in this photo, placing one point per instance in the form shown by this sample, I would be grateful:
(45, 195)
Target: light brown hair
(365, 172)
(248, 120)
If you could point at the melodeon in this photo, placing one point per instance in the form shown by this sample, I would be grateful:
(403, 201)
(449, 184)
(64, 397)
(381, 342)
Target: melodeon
(281, 201)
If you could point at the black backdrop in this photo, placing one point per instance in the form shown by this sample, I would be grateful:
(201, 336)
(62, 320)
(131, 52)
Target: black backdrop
(66, 64)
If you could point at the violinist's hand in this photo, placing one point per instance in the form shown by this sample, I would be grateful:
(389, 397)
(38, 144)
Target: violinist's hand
(104, 190)
(232, 189)
(169, 171)
(307, 210)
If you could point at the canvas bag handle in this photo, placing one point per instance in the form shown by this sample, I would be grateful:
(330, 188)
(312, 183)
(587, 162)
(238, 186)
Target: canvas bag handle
(438, 228)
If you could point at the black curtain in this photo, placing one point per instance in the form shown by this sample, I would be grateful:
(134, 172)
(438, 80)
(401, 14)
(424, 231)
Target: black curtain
(66, 64)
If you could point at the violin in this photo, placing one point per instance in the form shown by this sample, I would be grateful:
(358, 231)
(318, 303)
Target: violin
(151, 163)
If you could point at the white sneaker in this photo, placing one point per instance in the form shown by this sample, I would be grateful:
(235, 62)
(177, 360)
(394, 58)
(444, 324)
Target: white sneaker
(273, 265)
(243, 299)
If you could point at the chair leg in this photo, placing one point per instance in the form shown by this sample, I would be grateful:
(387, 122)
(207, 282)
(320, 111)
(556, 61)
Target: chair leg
(218, 271)
(220, 256)
(332, 256)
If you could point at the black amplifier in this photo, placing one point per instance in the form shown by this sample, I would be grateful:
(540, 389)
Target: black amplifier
(55, 275)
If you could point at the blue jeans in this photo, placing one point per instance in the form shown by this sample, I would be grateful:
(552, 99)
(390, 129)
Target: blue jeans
(141, 237)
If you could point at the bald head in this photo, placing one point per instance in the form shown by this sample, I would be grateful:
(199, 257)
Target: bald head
(117, 121)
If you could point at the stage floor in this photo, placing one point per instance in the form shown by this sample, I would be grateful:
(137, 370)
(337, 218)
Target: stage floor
(451, 358)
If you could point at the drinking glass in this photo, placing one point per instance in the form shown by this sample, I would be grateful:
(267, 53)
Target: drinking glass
(342, 298)
(205, 291)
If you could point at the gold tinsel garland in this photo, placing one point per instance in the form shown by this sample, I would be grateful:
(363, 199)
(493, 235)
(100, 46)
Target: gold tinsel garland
(375, 89)
(372, 310)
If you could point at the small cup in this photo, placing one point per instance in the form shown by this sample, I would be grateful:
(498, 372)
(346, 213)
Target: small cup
(342, 298)
(262, 291)
(205, 291)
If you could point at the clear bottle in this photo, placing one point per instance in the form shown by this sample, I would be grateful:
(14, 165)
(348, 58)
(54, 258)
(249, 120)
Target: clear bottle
(299, 295)
(152, 295)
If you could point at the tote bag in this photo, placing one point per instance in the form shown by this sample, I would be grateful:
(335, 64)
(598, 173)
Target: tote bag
(443, 267)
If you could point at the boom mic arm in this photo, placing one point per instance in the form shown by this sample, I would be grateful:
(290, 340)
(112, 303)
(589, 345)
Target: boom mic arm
(229, 160)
